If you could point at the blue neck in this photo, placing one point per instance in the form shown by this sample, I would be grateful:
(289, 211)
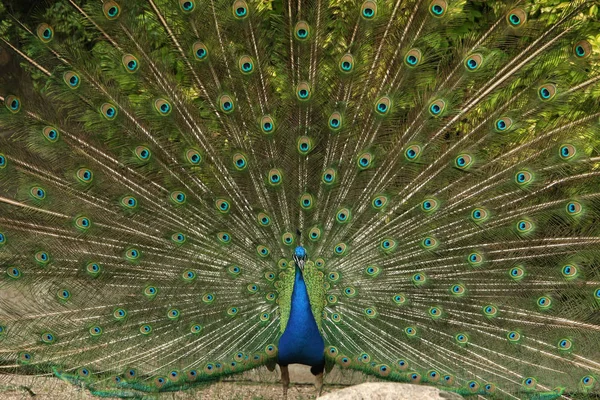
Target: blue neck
(301, 341)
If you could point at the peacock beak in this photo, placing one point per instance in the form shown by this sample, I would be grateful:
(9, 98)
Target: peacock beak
(300, 261)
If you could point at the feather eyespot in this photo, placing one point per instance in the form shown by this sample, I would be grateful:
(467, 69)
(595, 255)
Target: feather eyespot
(93, 269)
(379, 202)
(63, 294)
(388, 245)
(304, 145)
(193, 156)
(274, 177)
(246, 65)
(516, 17)
(437, 107)
(524, 226)
(306, 201)
(173, 314)
(187, 6)
(262, 251)
(473, 62)
(287, 239)
(314, 234)
(42, 257)
(224, 237)
(364, 160)
(582, 49)
(132, 254)
(130, 63)
(429, 243)
(588, 382)
(240, 9)
(267, 124)
(412, 152)
(263, 219)
(429, 205)
(340, 249)
(410, 331)
(475, 259)
(547, 92)
(503, 124)
(438, 8)
(12, 103)
(226, 104)
(383, 105)
(463, 161)
(458, 290)
(302, 30)
(490, 311)
(13, 272)
(574, 208)
(513, 336)
(37, 193)
(145, 329)
(461, 338)
(111, 10)
(435, 313)
(544, 302)
(343, 216)
(529, 383)
(200, 51)
(328, 177)
(162, 106)
(335, 121)
(399, 299)
(413, 58)
(50, 133)
(523, 177)
(83, 223)
(71, 79)
(303, 91)
(569, 271)
(479, 214)
(368, 9)
(189, 275)
(84, 175)
(150, 292)
(517, 273)
(419, 279)
(108, 111)
(567, 151)
(239, 161)
(208, 298)
(45, 32)
(178, 197)
(347, 63)
(95, 331)
(142, 153)
(222, 206)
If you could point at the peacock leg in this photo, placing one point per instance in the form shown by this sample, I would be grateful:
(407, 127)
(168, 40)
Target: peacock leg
(285, 379)
(317, 371)
(319, 383)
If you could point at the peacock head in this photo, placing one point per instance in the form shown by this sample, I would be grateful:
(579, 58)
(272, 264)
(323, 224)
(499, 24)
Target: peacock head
(300, 256)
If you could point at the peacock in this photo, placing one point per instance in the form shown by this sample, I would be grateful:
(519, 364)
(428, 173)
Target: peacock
(191, 189)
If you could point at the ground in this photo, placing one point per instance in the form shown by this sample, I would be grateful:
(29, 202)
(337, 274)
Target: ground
(259, 384)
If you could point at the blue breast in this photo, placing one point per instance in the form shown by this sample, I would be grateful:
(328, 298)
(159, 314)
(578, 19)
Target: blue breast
(301, 342)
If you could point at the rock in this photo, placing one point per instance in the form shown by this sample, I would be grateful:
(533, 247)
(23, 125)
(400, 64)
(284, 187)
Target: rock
(390, 391)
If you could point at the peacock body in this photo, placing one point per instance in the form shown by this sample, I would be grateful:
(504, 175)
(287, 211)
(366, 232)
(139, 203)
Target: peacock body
(191, 189)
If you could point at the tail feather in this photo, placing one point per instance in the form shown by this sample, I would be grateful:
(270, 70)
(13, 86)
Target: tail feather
(438, 159)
